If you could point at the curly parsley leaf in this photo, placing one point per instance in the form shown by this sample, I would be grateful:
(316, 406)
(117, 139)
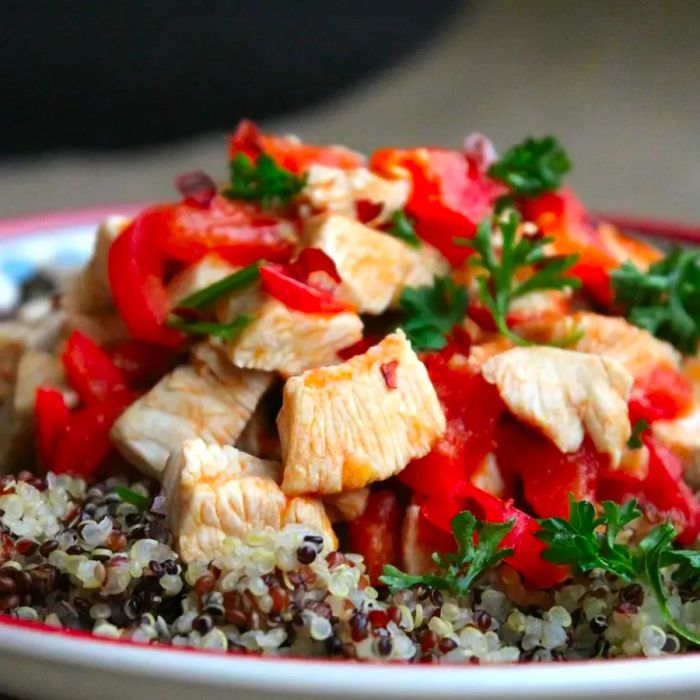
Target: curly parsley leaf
(262, 181)
(635, 441)
(498, 287)
(459, 570)
(532, 167)
(402, 228)
(430, 313)
(665, 300)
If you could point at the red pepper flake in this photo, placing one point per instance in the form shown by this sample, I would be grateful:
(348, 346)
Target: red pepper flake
(196, 186)
(389, 373)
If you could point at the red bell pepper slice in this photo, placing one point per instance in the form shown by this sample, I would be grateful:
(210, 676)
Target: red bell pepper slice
(358, 348)
(297, 284)
(376, 533)
(449, 196)
(289, 152)
(90, 370)
(51, 417)
(237, 231)
(661, 394)
(142, 364)
(136, 267)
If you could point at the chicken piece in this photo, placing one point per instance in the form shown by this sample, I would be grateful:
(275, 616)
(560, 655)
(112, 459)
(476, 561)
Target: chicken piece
(416, 555)
(566, 394)
(210, 399)
(215, 492)
(682, 437)
(608, 336)
(346, 506)
(34, 369)
(487, 476)
(259, 437)
(374, 266)
(337, 190)
(279, 339)
(344, 427)
(211, 268)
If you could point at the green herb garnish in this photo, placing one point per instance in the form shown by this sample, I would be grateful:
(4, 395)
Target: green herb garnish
(402, 227)
(130, 496)
(498, 288)
(635, 441)
(459, 570)
(665, 300)
(532, 167)
(232, 283)
(587, 541)
(262, 181)
(430, 313)
(225, 331)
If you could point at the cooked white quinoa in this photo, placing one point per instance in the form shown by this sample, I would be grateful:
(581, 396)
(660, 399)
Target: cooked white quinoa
(79, 557)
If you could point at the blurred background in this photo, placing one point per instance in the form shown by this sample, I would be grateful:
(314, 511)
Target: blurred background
(105, 102)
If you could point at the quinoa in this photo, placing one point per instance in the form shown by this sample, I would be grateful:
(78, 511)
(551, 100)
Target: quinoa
(77, 556)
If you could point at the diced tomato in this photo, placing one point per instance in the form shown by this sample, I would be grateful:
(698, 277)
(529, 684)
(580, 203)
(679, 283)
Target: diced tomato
(90, 370)
(548, 475)
(376, 533)
(50, 418)
(289, 152)
(136, 268)
(306, 285)
(449, 194)
(237, 231)
(661, 394)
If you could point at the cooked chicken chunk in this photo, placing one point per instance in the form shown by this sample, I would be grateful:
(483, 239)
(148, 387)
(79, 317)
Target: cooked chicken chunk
(374, 266)
(344, 427)
(337, 190)
(416, 555)
(216, 492)
(682, 436)
(259, 437)
(566, 395)
(210, 399)
(612, 337)
(211, 268)
(279, 339)
(348, 505)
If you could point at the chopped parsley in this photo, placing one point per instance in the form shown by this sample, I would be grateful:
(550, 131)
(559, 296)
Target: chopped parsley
(635, 441)
(262, 181)
(402, 227)
(665, 300)
(459, 570)
(430, 313)
(498, 286)
(134, 498)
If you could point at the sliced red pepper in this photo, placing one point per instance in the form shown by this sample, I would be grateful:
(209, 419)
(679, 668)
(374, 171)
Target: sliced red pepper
(663, 393)
(548, 475)
(237, 231)
(358, 348)
(297, 284)
(90, 370)
(289, 152)
(449, 195)
(136, 267)
(50, 418)
(143, 364)
(376, 533)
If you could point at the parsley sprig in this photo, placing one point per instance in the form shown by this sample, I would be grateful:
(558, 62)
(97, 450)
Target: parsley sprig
(532, 167)
(262, 181)
(430, 313)
(635, 441)
(588, 541)
(666, 299)
(458, 571)
(498, 286)
(402, 227)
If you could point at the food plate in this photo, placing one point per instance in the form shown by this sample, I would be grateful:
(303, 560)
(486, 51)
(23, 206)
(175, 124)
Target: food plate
(40, 662)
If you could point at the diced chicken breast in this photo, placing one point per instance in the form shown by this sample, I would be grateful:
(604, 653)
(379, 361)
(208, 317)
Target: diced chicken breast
(374, 266)
(337, 190)
(487, 476)
(608, 336)
(259, 437)
(566, 395)
(348, 505)
(282, 340)
(214, 492)
(344, 427)
(682, 437)
(416, 556)
(210, 399)
(210, 269)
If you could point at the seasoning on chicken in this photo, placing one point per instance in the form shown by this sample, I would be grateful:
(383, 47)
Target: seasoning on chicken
(374, 266)
(344, 427)
(216, 492)
(566, 395)
(210, 399)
